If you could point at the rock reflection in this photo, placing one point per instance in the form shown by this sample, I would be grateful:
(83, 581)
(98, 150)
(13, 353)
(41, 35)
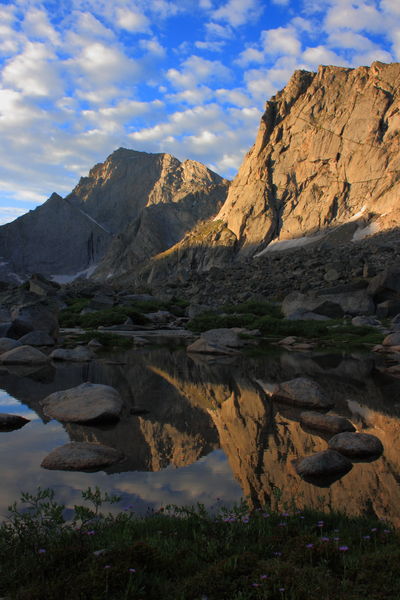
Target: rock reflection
(190, 406)
(262, 438)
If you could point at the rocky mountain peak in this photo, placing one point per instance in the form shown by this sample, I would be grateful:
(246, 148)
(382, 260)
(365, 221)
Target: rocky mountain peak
(72, 234)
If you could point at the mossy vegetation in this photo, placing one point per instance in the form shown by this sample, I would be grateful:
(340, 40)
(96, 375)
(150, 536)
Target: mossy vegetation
(108, 340)
(268, 319)
(190, 554)
(71, 317)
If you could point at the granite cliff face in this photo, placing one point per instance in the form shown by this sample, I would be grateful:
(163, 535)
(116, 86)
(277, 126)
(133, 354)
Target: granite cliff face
(149, 200)
(326, 153)
(325, 169)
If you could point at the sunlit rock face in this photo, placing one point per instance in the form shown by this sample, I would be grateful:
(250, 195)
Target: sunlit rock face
(262, 438)
(326, 153)
(150, 200)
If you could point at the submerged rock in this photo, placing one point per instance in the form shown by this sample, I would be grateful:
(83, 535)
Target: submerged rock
(356, 445)
(81, 456)
(9, 422)
(331, 423)
(24, 355)
(217, 341)
(78, 354)
(323, 464)
(86, 402)
(301, 391)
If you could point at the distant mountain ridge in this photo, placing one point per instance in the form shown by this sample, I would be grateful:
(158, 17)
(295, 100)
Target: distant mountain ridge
(133, 191)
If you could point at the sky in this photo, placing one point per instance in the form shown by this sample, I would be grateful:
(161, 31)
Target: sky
(81, 78)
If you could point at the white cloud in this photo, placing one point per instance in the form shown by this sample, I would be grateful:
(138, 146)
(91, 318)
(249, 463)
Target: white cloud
(34, 72)
(194, 96)
(360, 16)
(214, 30)
(237, 97)
(37, 25)
(153, 47)
(196, 70)
(281, 41)
(131, 20)
(210, 46)
(250, 55)
(321, 55)
(102, 65)
(238, 12)
(7, 214)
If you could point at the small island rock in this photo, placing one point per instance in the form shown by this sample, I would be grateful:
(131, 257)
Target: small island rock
(331, 423)
(86, 402)
(81, 456)
(323, 464)
(24, 355)
(356, 445)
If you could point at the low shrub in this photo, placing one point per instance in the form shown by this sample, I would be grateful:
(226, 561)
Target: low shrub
(186, 553)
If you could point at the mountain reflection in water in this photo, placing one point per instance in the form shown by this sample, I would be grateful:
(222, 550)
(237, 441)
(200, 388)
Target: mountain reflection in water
(180, 410)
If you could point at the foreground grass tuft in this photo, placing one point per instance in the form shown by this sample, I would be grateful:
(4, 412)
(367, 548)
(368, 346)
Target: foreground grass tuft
(190, 554)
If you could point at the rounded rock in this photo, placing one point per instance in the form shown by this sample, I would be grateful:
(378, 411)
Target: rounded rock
(356, 445)
(331, 423)
(24, 355)
(86, 402)
(81, 456)
(323, 464)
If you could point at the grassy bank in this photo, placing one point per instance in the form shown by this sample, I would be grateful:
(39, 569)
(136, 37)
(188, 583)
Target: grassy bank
(189, 554)
(268, 319)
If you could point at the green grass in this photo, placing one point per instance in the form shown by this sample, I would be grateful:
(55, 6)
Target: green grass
(268, 318)
(109, 340)
(70, 317)
(189, 554)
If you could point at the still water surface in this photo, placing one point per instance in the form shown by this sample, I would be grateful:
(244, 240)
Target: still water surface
(206, 431)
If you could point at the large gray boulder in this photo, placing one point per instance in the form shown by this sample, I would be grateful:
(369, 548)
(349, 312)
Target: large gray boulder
(301, 391)
(323, 464)
(393, 339)
(356, 445)
(217, 341)
(8, 344)
(81, 456)
(24, 355)
(37, 338)
(322, 422)
(36, 316)
(78, 354)
(86, 402)
(10, 422)
(297, 304)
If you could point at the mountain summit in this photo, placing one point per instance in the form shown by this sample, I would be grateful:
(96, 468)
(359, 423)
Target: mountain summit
(153, 197)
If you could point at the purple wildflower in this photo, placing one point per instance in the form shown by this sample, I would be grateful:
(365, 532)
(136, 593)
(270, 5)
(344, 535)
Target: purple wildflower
(42, 551)
(343, 548)
(132, 570)
(263, 576)
(366, 537)
(310, 546)
(324, 539)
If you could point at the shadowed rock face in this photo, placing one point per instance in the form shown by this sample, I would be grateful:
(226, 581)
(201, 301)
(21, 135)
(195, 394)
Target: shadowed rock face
(326, 151)
(150, 199)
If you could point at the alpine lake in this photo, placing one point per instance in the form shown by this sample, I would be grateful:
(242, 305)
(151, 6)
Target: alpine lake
(201, 430)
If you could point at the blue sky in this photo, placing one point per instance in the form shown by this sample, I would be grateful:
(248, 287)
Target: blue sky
(80, 78)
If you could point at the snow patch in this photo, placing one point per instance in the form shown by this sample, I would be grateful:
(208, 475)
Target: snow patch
(278, 245)
(358, 215)
(68, 278)
(363, 232)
